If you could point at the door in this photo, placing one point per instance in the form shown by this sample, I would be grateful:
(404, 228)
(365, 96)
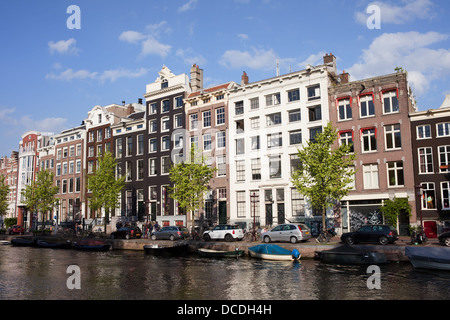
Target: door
(280, 211)
(430, 228)
(269, 215)
(222, 212)
(275, 234)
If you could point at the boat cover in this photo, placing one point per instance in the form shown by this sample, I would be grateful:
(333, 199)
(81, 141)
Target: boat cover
(441, 254)
(270, 249)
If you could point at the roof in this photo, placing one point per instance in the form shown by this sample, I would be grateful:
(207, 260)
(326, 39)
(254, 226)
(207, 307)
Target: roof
(209, 90)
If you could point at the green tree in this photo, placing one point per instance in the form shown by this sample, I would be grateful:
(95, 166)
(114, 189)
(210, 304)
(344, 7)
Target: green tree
(105, 188)
(39, 196)
(392, 208)
(190, 181)
(325, 171)
(4, 190)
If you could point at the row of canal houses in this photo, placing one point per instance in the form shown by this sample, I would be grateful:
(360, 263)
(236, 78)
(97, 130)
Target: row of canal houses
(250, 132)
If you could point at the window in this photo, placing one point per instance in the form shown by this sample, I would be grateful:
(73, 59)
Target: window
(254, 104)
(255, 143)
(164, 84)
(240, 146)
(220, 116)
(91, 151)
(153, 144)
(153, 108)
(77, 184)
(445, 189)
(314, 92)
(221, 165)
(273, 119)
(370, 173)
(78, 166)
(140, 144)
(274, 140)
(64, 168)
(71, 167)
(395, 174)
(294, 115)
(152, 167)
(313, 132)
(443, 129)
(256, 169)
(99, 135)
(346, 138)
(165, 143)
(424, 132)
(140, 169)
(165, 106)
(165, 165)
(240, 170)
(298, 203)
(178, 140)
(428, 196)
(294, 95)
(294, 162)
(207, 119)
(425, 160)
(178, 102)
(393, 137)
(153, 126)
(240, 201)
(194, 141)
(275, 166)
(369, 140)
(221, 139)
(178, 121)
(193, 121)
(129, 146)
(99, 150)
(254, 123)
(444, 158)
(315, 113)
(366, 106)
(273, 99)
(345, 109)
(254, 201)
(390, 101)
(295, 137)
(239, 108)
(207, 141)
(165, 124)
(128, 168)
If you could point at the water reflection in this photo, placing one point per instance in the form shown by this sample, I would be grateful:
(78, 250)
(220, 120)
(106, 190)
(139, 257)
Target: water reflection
(33, 273)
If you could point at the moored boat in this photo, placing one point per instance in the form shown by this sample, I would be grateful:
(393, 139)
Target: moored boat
(54, 244)
(273, 252)
(91, 245)
(429, 257)
(351, 255)
(23, 242)
(211, 253)
(176, 249)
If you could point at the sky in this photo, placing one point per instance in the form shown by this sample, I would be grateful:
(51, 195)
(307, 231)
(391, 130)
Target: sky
(58, 61)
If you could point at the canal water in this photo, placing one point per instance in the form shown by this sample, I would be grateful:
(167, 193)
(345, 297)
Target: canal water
(42, 274)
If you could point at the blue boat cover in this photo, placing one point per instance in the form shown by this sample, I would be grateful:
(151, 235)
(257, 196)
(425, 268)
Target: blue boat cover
(270, 249)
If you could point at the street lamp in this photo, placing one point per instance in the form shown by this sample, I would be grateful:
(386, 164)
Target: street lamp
(420, 195)
(253, 196)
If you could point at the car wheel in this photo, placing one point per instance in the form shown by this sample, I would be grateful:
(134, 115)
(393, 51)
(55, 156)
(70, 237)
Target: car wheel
(172, 237)
(228, 237)
(294, 240)
(384, 240)
(349, 240)
(266, 239)
(153, 237)
(206, 237)
(447, 242)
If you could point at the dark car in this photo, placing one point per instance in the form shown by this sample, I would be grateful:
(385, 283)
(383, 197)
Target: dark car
(127, 233)
(380, 233)
(445, 239)
(16, 230)
(170, 233)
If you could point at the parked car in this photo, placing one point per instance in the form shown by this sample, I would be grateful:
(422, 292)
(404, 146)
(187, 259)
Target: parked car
(170, 233)
(127, 233)
(380, 233)
(225, 232)
(16, 230)
(445, 239)
(288, 232)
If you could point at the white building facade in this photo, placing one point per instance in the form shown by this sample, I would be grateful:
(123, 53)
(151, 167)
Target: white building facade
(268, 122)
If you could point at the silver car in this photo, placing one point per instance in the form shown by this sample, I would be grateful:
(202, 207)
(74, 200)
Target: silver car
(288, 232)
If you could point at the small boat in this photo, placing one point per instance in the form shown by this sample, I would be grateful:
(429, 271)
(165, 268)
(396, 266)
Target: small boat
(23, 242)
(91, 245)
(429, 257)
(273, 252)
(167, 250)
(4, 242)
(350, 255)
(54, 244)
(210, 253)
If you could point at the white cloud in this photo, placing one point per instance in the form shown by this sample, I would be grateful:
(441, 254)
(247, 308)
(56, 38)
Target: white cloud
(188, 6)
(313, 59)
(410, 11)
(408, 50)
(131, 36)
(111, 75)
(64, 47)
(27, 123)
(256, 59)
(153, 46)
(190, 57)
(243, 36)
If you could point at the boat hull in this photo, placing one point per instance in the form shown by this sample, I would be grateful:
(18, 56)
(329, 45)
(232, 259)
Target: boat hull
(436, 258)
(93, 245)
(160, 250)
(351, 255)
(210, 253)
(273, 252)
(53, 245)
(23, 242)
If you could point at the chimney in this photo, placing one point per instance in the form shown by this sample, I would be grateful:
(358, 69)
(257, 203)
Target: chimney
(344, 77)
(196, 78)
(130, 109)
(244, 80)
(140, 101)
(330, 61)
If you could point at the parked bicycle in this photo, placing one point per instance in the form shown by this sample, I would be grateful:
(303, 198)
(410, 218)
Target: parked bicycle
(326, 235)
(252, 235)
(418, 236)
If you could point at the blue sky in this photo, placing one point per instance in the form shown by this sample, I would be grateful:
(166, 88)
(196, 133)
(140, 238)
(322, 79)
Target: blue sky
(51, 76)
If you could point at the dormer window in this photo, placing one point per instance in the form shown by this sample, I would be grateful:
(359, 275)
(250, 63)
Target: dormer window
(164, 84)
